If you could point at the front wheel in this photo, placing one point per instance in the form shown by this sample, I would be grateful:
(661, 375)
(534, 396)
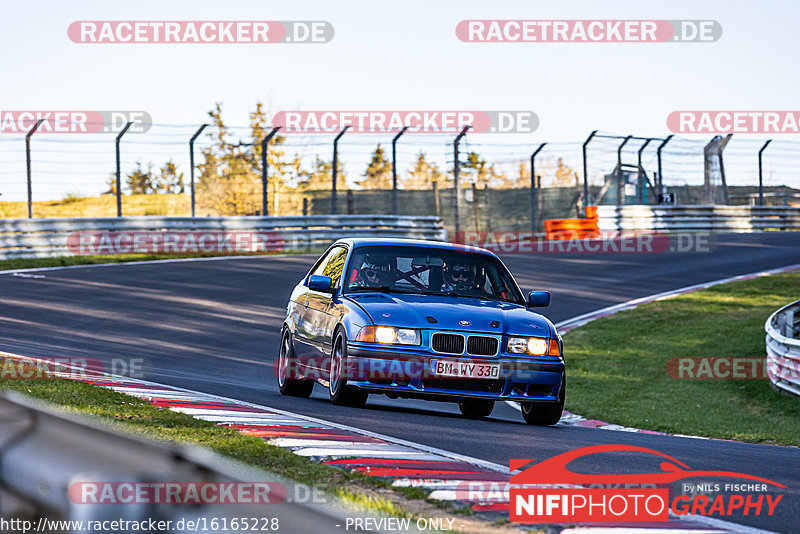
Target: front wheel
(545, 413)
(288, 383)
(476, 407)
(341, 393)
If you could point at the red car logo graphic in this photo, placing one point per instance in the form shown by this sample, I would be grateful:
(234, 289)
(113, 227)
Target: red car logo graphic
(554, 470)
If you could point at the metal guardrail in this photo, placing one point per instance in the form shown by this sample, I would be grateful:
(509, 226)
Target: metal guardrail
(34, 238)
(697, 218)
(783, 348)
(43, 453)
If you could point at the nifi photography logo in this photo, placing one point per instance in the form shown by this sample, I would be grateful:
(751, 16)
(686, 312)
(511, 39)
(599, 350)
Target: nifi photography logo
(548, 491)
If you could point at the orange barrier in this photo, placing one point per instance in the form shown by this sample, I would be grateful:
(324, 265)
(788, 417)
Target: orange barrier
(560, 229)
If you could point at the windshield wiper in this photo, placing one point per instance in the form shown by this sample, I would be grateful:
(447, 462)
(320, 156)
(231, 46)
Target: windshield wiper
(443, 293)
(383, 289)
(457, 294)
(388, 289)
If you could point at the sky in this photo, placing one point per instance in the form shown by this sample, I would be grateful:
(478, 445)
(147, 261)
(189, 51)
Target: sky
(384, 56)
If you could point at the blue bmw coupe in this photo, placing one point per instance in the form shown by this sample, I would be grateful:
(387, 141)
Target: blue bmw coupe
(421, 319)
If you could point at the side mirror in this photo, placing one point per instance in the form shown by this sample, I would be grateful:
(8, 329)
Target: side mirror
(318, 282)
(539, 299)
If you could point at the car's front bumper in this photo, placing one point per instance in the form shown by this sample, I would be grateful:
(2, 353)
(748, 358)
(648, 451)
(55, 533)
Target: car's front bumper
(406, 373)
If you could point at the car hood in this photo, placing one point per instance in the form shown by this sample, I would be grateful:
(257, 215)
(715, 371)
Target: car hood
(413, 311)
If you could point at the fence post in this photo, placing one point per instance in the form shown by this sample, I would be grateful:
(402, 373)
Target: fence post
(394, 169)
(455, 177)
(475, 207)
(119, 180)
(620, 190)
(585, 171)
(28, 164)
(760, 175)
(488, 207)
(539, 202)
(708, 197)
(191, 161)
(264, 169)
(350, 202)
(720, 148)
(641, 171)
(660, 181)
(534, 189)
(435, 187)
(335, 170)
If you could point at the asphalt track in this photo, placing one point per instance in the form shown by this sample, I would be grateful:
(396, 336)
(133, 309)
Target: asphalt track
(213, 326)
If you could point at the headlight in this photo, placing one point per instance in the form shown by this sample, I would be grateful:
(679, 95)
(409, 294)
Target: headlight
(385, 334)
(389, 335)
(535, 346)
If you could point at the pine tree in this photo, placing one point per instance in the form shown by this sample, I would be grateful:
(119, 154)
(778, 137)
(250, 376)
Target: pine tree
(379, 172)
(422, 175)
(169, 181)
(483, 173)
(230, 180)
(140, 181)
(564, 175)
(320, 178)
(111, 182)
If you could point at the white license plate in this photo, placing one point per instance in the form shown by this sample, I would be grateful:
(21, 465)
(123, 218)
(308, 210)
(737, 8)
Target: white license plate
(464, 369)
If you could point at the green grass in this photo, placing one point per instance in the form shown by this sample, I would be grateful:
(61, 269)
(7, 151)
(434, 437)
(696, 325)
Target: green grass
(32, 263)
(132, 415)
(138, 416)
(100, 206)
(617, 365)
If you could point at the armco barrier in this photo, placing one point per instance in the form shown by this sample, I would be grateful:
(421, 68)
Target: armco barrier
(34, 238)
(44, 453)
(783, 348)
(697, 218)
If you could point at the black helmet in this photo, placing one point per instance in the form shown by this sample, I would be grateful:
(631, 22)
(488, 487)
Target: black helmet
(460, 275)
(376, 271)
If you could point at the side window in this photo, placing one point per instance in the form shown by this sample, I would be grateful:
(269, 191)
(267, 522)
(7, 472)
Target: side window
(324, 261)
(335, 266)
(332, 264)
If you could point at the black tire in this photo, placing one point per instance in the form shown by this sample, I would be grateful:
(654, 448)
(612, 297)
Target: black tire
(476, 407)
(545, 413)
(292, 387)
(341, 393)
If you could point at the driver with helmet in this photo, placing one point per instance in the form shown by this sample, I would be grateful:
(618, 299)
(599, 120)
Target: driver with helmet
(375, 271)
(459, 276)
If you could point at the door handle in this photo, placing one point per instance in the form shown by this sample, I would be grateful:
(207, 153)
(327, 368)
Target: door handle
(305, 305)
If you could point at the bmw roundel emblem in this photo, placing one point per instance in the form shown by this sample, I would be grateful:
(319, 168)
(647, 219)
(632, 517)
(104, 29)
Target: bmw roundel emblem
(464, 323)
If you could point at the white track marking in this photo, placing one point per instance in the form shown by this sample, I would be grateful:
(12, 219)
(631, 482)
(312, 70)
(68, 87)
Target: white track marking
(581, 320)
(634, 530)
(393, 448)
(15, 272)
(26, 275)
(330, 452)
(432, 452)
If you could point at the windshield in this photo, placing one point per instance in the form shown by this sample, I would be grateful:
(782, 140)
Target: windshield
(430, 271)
